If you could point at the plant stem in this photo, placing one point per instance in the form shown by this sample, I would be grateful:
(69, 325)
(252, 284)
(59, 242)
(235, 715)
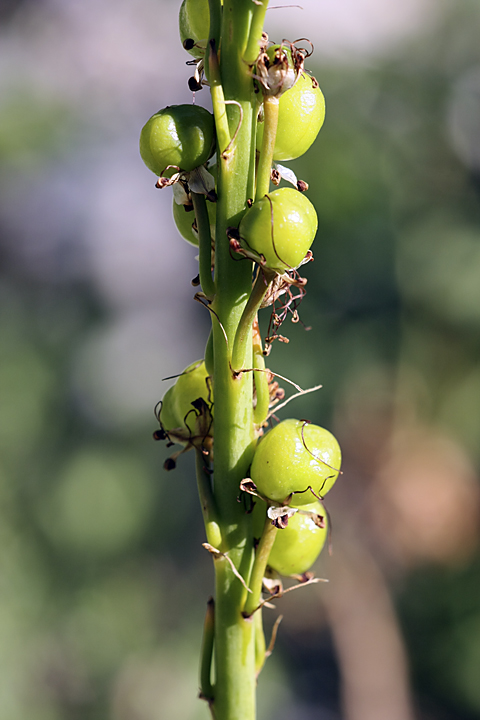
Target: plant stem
(262, 390)
(260, 647)
(215, 8)
(207, 501)
(206, 688)
(264, 278)
(258, 572)
(253, 47)
(270, 106)
(234, 645)
(205, 244)
(218, 100)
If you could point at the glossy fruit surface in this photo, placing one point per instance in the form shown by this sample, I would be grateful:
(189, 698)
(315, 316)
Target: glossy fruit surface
(194, 24)
(179, 135)
(297, 546)
(293, 456)
(177, 410)
(191, 385)
(301, 113)
(168, 416)
(281, 226)
(184, 221)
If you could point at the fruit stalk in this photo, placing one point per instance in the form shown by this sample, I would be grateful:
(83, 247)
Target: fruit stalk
(258, 572)
(271, 107)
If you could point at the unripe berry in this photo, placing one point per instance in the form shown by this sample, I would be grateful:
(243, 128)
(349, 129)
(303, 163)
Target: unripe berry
(178, 135)
(292, 457)
(297, 546)
(194, 25)
(301, 112)
(281, 226)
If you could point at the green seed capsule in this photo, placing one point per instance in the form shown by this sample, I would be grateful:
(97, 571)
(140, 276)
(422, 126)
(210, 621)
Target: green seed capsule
(184, 221)
(178, 135)
(194, 24)
(281, 226)
(292, 457)
(301, 112)
(177, 410)
(297, 546)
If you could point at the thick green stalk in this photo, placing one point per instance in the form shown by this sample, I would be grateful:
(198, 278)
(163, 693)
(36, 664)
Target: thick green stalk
(234, 442)
(260, 647)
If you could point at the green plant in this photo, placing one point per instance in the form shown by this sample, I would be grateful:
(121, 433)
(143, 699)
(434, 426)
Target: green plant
(302, 108)
(186, 411)
(180, 136)
(299, 544)
(192, 385)
(194, 26)
(281, 226)
(259, 241)
(185, 221)
(296, 457)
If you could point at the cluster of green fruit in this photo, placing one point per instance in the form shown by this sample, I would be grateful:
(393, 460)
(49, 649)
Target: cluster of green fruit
(295, 463)
(182, 137)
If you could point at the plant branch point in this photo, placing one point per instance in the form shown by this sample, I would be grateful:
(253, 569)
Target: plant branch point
(218, 554)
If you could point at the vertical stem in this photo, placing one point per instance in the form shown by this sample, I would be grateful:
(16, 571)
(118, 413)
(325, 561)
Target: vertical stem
(204, 245)
(206, 689)
(258, 573)
(270, 105)
(256, 29)
(215, 8)
(260, 648)
(207, 501)
(218, 100)
(262, 389)
(244, 329)
(234, 635)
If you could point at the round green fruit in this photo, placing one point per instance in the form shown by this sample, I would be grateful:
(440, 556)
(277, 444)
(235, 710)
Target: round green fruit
(281, 226)
(167, 416)
(190, 386)
(184, 220)
(177, 410)
(178, 135)
(301, 113)
(194, 24)
(292, 457)
(297, 546)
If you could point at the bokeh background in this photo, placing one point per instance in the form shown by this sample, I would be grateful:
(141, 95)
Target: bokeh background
(103, 581)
